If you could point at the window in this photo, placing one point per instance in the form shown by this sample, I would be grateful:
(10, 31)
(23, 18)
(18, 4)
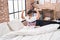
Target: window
(53, 1)
(47, 0)
(15, 8)
(41, 2)
(58, 1)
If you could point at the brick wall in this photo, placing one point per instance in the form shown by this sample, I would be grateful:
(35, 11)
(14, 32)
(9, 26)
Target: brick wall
(58, 10)
(4, 11)
(47, 5)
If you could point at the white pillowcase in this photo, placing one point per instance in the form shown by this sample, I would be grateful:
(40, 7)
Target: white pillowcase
(15, 25)
(4, 28)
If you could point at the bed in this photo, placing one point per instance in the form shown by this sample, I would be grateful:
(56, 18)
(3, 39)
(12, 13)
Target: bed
(47, 36)
(14, 30)
(39, 33)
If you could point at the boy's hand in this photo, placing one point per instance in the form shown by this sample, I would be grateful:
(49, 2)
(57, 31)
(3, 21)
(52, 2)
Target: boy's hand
(35, 9)
(22, 15)
(22, 11)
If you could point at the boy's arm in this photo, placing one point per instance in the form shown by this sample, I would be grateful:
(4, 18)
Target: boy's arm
(38, 14)
(23, 19)
(22, 16)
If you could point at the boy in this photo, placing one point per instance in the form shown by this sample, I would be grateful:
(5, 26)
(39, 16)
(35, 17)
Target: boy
(30, 20)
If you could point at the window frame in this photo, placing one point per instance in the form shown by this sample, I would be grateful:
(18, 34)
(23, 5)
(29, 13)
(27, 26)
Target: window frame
(14, 12)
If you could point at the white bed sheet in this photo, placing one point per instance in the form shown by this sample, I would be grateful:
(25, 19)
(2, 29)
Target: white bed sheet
(55, 35)
(40, 33)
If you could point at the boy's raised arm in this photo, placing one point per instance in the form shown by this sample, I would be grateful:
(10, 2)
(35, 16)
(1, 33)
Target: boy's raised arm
(38, 14)
(22, 15)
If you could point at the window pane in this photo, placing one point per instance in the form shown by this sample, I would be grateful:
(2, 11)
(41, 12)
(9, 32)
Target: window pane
(41, 1)
(23, 4)
(20, 7)
(20, 16)
(11, 17)
(53, 1)
(16, 15)
(15, 6)
(10, 6)
(47, 0)
(58, 1)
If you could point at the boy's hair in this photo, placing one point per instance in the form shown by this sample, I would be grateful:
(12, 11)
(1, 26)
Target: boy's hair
(30, 11)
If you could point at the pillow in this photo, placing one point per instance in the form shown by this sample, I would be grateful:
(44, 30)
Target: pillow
(15, 25)
(4, 28)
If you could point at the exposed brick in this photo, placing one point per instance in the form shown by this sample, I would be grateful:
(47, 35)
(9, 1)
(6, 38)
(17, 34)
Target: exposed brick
(4, 17)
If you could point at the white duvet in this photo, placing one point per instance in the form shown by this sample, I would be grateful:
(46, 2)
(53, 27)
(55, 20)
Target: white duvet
(48, 32)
